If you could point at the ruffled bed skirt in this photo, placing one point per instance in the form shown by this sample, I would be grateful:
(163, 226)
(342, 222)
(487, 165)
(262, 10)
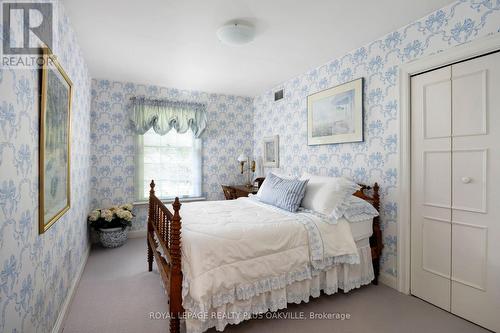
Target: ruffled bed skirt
(342, 276)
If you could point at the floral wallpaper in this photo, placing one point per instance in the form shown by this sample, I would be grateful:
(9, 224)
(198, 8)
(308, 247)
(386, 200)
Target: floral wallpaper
(36, 271)
(377, 158)
(229, 132)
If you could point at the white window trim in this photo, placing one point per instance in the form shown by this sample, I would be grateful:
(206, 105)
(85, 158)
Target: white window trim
(169, 201)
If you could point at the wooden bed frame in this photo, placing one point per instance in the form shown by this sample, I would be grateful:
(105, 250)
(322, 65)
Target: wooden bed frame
(167, 229)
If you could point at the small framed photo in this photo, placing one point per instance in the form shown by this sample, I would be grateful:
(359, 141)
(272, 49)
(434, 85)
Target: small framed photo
(335, 115)
(271, 151)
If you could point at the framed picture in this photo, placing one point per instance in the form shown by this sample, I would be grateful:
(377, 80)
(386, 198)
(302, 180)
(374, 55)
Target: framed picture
(55, 138)
(335, 115)
(271, 151)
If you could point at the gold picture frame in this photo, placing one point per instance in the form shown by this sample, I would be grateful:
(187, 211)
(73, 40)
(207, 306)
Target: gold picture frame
(335, 115)
(55, 142)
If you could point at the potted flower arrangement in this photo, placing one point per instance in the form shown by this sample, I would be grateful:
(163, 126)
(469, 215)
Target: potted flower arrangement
(112, 224)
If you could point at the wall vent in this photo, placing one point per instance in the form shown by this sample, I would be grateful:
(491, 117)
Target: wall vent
(278, 95)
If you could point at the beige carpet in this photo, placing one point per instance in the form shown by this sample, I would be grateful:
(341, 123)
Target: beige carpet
(117, 294)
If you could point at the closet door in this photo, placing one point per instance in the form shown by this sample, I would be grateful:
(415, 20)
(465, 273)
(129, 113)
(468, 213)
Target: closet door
(431, 187)
(475, 268)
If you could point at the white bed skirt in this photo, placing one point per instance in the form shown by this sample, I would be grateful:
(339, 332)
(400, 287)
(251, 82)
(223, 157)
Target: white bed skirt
(343, 276)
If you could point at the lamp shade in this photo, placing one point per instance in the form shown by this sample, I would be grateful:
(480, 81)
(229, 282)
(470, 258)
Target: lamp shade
(242, 158)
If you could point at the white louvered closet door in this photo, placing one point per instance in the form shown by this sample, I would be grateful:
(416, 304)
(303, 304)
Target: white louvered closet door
(455, 226)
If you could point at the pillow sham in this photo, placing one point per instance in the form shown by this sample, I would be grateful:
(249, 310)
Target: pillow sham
(278, 175)
(328, 195)
(358, 210)
(283, 193)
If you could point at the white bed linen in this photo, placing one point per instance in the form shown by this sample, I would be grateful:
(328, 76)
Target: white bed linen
(234, 250)
(343, 276)
(362, 229)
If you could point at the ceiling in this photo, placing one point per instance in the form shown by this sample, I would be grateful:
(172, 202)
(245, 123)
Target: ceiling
(173, 43)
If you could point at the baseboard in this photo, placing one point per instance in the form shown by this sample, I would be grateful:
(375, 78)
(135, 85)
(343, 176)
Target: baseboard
(388, 280)
(58, 326)
(137, 234)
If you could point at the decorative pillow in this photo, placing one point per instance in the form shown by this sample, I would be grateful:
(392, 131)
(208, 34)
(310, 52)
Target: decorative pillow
(259, 192)
(359, 210)
(328, 195)
(282, 193)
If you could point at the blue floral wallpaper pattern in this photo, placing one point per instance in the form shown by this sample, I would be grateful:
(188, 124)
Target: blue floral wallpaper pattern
(377, 158)
(36, 272)
(229, 132)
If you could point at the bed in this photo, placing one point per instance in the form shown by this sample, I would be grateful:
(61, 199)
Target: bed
(242, 257)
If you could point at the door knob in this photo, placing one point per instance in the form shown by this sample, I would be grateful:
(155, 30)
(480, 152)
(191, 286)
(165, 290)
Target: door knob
(466, 180)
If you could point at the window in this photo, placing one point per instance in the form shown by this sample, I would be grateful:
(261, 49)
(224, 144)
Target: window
(172, 160)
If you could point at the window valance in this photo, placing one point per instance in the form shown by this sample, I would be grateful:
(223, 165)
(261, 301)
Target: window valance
(163, 115)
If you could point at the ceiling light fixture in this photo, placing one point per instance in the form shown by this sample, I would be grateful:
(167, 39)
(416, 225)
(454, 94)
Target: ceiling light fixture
(236, 33)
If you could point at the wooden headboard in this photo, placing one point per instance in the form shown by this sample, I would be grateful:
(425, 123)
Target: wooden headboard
(371, 194)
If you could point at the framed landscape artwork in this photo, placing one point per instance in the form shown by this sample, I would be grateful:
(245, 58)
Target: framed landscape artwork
(335, 115)
(54, 167)
(271, 151)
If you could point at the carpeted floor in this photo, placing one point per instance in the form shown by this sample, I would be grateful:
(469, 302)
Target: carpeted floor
(117, 294)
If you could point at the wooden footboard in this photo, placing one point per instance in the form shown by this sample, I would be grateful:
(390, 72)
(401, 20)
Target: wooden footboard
(164, 246)
(164, 233)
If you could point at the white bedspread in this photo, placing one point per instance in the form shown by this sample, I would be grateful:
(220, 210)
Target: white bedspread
(236, 249)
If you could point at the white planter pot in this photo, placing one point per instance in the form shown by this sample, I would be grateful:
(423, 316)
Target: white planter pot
(113, 237)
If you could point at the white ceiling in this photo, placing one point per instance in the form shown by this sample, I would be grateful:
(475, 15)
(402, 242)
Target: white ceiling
(172, 43)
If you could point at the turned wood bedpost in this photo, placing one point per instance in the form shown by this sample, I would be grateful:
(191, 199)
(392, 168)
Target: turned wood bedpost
(376, 241)
(150, 225)
(176, 309)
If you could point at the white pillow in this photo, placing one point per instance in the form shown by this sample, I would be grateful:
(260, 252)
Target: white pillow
(359, 210)
(328, 195)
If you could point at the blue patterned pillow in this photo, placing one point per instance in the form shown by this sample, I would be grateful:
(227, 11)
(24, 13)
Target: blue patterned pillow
(283, 193)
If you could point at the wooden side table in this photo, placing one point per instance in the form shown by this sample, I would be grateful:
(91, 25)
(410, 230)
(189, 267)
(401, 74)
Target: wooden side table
(237, 191)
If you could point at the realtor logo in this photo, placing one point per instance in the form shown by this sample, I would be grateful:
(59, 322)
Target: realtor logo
(36, 21)
(26, 27)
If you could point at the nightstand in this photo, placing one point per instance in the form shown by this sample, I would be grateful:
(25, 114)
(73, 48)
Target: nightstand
(237, 191)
